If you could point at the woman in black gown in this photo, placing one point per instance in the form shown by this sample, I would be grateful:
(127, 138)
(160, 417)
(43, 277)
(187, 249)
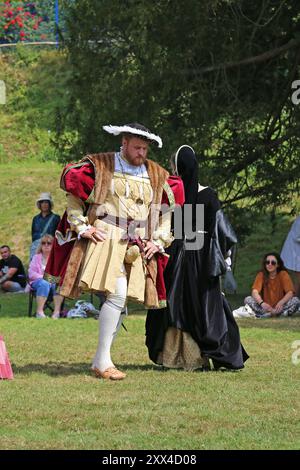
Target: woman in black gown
(197, 324)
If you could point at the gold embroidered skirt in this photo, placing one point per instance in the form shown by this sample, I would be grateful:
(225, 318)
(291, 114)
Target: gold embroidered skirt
(104, 263)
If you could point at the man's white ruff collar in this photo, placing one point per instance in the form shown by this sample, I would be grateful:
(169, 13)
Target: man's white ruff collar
(116, 130)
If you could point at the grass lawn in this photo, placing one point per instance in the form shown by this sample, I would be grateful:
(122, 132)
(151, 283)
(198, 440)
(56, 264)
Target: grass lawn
(54, 402)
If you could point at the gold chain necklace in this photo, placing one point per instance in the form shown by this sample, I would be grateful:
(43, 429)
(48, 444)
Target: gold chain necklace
(139, 173)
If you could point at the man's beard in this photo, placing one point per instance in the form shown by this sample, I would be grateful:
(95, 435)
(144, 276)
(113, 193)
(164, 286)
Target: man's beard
(137, 161)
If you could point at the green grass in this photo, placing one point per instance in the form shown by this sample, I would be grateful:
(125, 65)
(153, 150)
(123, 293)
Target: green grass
(54, 402)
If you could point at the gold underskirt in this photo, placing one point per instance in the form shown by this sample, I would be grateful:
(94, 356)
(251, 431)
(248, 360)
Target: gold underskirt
(180, 351)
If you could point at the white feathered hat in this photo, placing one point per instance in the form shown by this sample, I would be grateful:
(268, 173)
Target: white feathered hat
(136, 129)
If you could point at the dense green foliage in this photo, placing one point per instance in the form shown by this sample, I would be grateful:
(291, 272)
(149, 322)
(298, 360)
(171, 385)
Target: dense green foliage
(215, 74)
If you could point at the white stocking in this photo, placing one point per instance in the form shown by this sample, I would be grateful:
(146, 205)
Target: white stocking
(110, 320)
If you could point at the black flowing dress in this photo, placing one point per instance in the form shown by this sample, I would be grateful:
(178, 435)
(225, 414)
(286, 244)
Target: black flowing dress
(195, 303)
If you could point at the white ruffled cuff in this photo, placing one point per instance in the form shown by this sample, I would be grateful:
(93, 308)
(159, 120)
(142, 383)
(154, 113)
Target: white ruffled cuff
(160, 247)
(83, 229)
(79, 223)
(162, 239)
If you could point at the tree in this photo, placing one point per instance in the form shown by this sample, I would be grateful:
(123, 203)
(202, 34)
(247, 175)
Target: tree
(216, 74)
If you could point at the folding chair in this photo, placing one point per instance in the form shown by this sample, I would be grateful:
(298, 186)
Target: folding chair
(48, 304)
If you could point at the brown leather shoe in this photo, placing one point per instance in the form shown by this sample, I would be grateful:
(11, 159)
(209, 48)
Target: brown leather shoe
(112, 373)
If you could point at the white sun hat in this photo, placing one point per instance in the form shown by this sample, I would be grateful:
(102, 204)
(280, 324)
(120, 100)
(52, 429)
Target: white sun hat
(44, 197)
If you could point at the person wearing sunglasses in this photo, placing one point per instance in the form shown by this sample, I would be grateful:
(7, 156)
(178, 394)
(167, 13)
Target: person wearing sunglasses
(273, 291)
(40, 286)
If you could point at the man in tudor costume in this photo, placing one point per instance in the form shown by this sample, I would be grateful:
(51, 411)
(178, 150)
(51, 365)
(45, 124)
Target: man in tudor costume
(112, 236)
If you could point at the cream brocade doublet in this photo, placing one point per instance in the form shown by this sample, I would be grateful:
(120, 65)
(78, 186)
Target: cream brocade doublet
(129, 196)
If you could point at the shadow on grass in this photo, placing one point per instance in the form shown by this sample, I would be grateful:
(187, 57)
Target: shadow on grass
(55, 369)
(65, 369)
(158, 368)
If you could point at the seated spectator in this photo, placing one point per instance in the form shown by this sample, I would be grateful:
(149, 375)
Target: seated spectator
(273, 291)
(12, 272)
(44, 222)
(42, 287)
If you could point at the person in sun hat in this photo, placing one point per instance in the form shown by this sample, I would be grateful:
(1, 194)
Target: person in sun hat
(43, 223)
(113, 232)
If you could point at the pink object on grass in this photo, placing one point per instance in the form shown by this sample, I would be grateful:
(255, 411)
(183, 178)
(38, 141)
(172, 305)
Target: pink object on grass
(5, 367)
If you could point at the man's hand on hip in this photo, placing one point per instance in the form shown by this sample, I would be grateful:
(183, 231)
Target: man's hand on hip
(150, 249)
(94, 234)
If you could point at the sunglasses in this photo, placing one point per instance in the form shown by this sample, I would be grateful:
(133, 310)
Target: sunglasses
(272, 262)
(46, 243)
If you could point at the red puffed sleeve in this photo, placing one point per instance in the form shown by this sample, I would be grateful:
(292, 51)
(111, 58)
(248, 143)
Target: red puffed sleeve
(173, 193)
(78, 179)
